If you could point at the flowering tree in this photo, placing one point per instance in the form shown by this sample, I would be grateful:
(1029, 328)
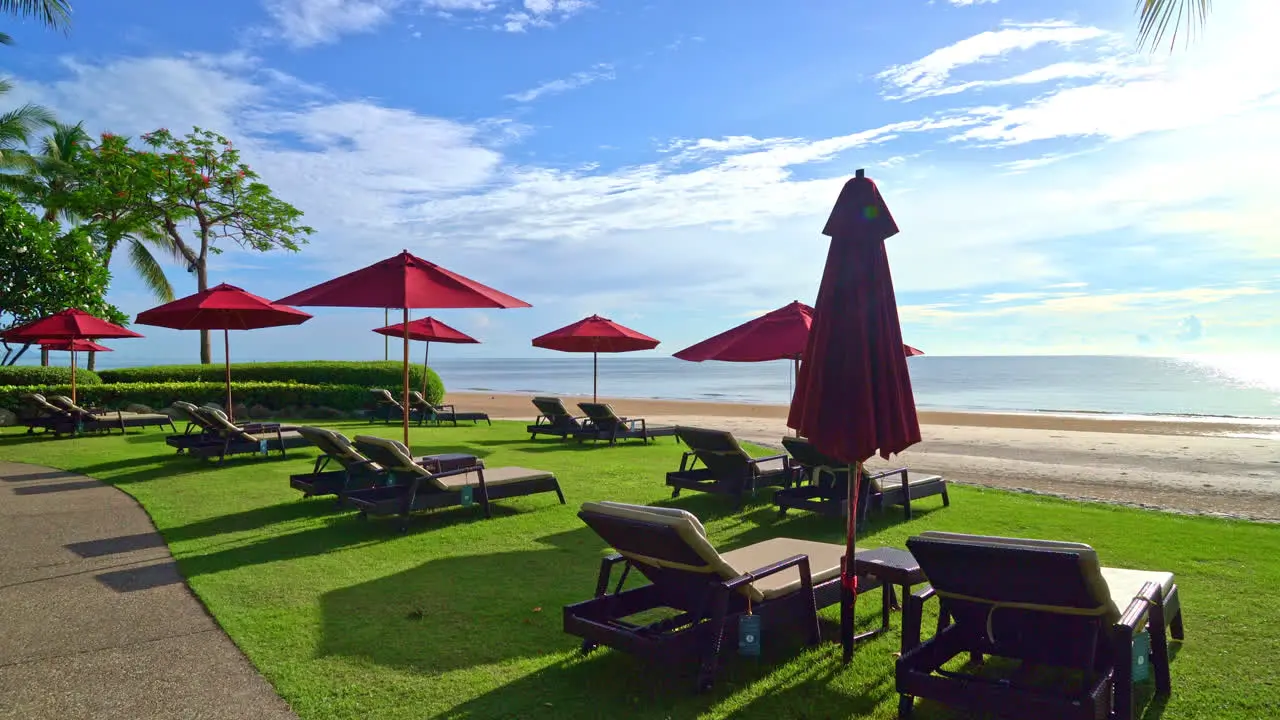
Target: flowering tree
(190, 192)
(43, 271)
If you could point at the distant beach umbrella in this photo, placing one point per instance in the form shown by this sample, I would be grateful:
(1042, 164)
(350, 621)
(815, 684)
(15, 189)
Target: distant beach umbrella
(595, 335)
(427, 330)
(911, 352)
(70, 324)
(223, 307)
(403, 282)
(73, 347)
(853, 393)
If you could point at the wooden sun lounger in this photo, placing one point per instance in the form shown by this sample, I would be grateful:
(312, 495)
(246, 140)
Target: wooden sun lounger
(357, 471)
(726, 469)
(603, 423)
(553, 419)
(201, 429)
(114, 418)
(67, 418)
(442, 413)
(1042, 602)
(782, 581)
(417, 488)
(248, 438)
(828, 489)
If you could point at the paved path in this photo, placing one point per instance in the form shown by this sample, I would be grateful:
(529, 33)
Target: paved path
(96, 622)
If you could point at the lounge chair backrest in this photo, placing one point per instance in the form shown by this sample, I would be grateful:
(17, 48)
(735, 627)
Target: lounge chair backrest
(553, 408)
(416, 399)
(395, 458)
(39, 402)
(337, 446)
(384, 396)
(1037, 599)
(601, 414)
(188, 413)
(665, 544)
(806, 455)
(222, 424)
(65, 403)
(718, 450)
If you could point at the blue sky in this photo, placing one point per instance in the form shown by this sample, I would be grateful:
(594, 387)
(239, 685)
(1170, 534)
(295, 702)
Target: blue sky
(670, 164)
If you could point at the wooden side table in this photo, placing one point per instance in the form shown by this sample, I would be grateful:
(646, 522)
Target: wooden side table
(884, 567)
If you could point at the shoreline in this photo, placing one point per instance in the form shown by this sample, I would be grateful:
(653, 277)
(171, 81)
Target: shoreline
(1210, 467)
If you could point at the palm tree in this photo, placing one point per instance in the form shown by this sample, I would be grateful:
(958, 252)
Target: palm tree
(1158, 17)
(18, 126)
(53, 14)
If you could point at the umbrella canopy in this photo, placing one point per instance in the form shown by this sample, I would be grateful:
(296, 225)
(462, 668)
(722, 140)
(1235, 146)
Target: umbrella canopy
(595, 335)
(403, 281)
(73, 345)
(223, 307)
(428, 330)
(853, 394)
(69, 324)
(911, 352)
(778, 335)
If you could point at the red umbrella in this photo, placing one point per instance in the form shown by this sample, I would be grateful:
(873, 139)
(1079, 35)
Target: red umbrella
(69, 324)
(853, 394)
(403, 281)
(911, 352)
(223, 307)
(428, 330)
(73, 346)
(595, 335)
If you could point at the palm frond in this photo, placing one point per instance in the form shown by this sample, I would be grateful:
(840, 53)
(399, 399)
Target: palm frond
(6, 39)
(16, 126)
(149, 270)
(55, 14)
(1156, 18)
(157, 238)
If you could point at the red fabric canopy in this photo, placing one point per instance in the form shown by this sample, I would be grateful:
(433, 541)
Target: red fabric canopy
(403, 281)
(428, 329)
(73, 345)
(778, 335)
(912, 352)
(67, 324)
(595, 334)
(853, 394)
(223, 307)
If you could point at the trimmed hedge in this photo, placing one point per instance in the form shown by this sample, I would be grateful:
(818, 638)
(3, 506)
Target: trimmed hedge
(158, 396)
(373, 374)
(38, 375)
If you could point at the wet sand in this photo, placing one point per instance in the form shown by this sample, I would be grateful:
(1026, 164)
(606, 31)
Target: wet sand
(1212, 467)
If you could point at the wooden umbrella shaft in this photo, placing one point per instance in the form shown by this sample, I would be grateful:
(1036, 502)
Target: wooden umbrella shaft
(426, 355)
(226, 362)
(595, 374)
(73, 373)
(404, 398)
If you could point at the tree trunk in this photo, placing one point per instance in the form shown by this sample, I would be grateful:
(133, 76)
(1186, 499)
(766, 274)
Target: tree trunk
(92, 363)
(44, 357)
(202, 284)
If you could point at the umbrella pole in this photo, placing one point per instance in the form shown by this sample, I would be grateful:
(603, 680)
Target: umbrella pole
(425, 355)
(848, 580)
(404, 412)
(386, 339)
(595, 374)
(226, 362)
(795, 369)
(73, 373)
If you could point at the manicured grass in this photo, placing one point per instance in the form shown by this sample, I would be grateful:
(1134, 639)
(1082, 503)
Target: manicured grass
(461, 617)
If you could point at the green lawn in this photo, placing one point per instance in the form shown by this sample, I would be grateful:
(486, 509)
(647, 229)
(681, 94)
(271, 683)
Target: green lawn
(461, 617)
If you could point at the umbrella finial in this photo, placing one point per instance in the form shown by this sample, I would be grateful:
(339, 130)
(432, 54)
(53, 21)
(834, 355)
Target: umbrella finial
(861, 172)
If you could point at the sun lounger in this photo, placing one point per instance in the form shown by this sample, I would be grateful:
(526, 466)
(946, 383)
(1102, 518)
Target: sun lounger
(66, 418)
(603, 423)
(112, 418)
(726, 469)
(553, 419)
(37, 413)
(828, 488)
(384, 406)
(231, 439)
(357, 470)
(782, 581)
(416, 488)
(1045, 603)
(442, 413)
(201, 429)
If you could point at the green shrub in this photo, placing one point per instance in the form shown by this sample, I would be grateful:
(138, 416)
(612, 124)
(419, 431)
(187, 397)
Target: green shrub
(161, 395)
(315, 372)
(37, 375)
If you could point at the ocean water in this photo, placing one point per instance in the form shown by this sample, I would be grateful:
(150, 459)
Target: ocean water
(1222, 387)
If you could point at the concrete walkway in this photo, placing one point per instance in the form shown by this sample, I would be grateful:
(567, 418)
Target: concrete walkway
(96, 622)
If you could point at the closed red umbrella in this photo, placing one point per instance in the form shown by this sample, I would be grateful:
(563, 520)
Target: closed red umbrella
(223, 307)
(69, 324)
(428, 330)
(595, 335)
(405, 282)
(853, 394)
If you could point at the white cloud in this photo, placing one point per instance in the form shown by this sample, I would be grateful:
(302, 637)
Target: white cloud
(929, 74)
(598, 72)
(966, 3)
(542, 14)
(303, 23)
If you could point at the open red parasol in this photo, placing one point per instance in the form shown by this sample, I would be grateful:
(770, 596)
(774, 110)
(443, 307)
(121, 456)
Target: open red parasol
(595, 335)
(69, 324)
(73, 346)
(428, 330)
(222, 307)
(853, 393)
(403, 281)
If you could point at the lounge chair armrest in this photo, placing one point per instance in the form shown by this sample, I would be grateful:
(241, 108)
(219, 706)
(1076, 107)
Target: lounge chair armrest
(769, 458)
(257, 427)
(606, 572)
(800, 561)
(885, 474)
(913, 616)
(685, 463)
(1134, 617)
(443, 407)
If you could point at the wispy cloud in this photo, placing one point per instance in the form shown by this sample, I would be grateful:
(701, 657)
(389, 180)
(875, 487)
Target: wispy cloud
(542, 13)
(597, 73)
(966, 3)
(928, 75)
(304, 23)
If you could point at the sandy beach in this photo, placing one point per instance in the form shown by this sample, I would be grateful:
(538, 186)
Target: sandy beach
(1212, 467)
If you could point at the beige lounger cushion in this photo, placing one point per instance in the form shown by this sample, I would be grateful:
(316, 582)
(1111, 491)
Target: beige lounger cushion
(824, 558)
(1115, 587)
(772, 466)
(492, 477)
(895, 480)
(335, 444)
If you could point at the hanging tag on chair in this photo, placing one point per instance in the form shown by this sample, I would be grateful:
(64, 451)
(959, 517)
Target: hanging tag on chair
(1141, 657)
(262, 447)
(749, 635)
(468, 496)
